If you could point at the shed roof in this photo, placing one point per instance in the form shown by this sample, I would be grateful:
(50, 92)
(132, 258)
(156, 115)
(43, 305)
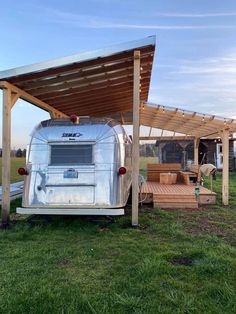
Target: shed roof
(95, 83)
(184, 121)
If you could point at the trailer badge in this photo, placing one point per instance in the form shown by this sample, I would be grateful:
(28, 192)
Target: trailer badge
(71, 134)
(70, 174)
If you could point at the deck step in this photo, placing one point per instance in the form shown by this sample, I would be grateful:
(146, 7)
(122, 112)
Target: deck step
(175, 200)
(174, 197)
(177, 205)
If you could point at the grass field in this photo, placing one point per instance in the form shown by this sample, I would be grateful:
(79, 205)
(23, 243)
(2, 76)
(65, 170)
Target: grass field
(177, 261)
(15, 164)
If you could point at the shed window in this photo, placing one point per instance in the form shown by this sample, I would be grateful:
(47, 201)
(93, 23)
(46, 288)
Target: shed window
(71, 154)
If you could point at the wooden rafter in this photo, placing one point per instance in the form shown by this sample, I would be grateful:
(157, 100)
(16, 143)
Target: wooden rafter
(31, 99)
(165, 138)
(184, 122)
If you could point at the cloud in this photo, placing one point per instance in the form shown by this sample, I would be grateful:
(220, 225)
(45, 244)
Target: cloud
(90, 21)
(159, 27)
(201, 84)
(225, 65)
(196, 15)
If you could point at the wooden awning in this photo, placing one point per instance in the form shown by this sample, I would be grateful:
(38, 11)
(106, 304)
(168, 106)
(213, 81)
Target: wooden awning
(97, 83)
(184, 121)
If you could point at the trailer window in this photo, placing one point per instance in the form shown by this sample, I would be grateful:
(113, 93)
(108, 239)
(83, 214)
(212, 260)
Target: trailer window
(71, 154)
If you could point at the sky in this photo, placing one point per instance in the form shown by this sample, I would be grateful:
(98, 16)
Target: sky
(195, 59)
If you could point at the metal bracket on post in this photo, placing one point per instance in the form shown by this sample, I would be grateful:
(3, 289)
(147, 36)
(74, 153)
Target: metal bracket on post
(55, 115)
(135, 150)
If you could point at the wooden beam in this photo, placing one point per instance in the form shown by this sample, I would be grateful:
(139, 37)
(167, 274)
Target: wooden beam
(225, 173)
(151, 118)
(171, 118)
(93, 87)
(195, 126)
(165, 138)
(111, 79)
(75, 95)
(196, 150)
(9, 99)
(94, 74)
(31, 99)
(135, 150)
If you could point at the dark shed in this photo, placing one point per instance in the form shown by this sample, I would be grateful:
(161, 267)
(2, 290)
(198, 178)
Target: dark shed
(182, 151)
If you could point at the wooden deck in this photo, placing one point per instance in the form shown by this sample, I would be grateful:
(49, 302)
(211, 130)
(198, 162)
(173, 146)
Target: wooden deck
(175, 195)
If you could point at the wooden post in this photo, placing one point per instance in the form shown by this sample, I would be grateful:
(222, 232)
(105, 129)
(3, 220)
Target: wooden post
(196, 150)
(135, 147)
(6, 155)
(225, 173)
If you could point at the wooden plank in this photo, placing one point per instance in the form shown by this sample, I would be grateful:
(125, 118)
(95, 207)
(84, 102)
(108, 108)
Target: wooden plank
(154, 170)
(164, 166)
(186, 119)
(97, 103)
(161, 120)
(191, 123)
(85, 73)
(174, 199)
(87, 81)
(135, 146)
(77, 94)
(181, 189)
(93, 87)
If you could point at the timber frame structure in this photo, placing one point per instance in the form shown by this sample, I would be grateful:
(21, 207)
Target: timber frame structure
(112, 82)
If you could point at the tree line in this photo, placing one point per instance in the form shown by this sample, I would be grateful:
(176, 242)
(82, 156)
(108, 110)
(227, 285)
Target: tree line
(16, 153)
(146, 150)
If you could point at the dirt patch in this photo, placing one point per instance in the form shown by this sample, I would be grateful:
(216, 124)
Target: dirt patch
(128, 225)
(182, 261)
(204, 225)
(63, 263)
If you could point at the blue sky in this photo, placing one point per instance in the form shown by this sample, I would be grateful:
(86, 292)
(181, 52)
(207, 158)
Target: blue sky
(195, 61)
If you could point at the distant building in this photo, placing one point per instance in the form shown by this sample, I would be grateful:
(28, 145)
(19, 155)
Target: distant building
(181, 150)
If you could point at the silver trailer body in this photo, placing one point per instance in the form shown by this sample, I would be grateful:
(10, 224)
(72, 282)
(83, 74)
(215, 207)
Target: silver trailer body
(74, 168)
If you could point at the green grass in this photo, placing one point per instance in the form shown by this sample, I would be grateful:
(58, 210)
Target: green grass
(75, 265)
(15, 164)
(146, 160)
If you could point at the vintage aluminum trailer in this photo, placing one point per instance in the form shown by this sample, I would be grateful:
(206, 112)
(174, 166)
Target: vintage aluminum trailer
(77, 168)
